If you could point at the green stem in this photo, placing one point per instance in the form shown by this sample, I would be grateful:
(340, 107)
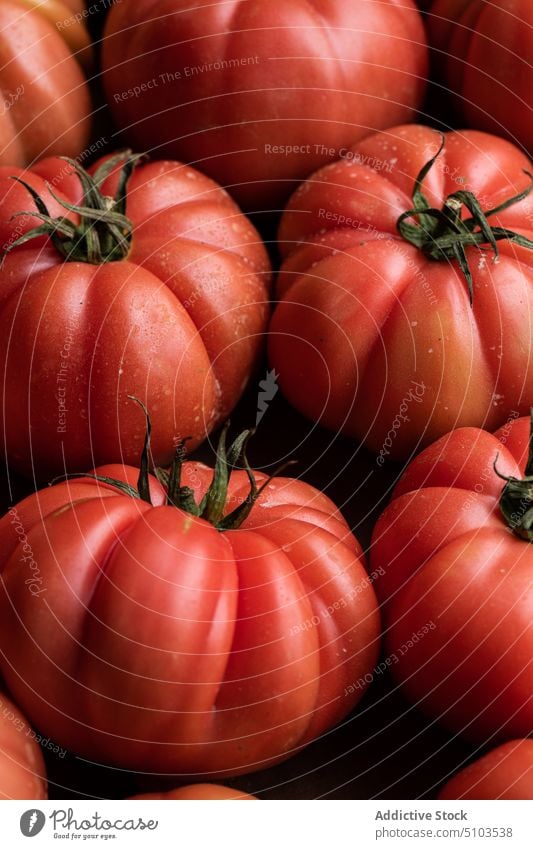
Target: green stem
(443, 234)
(212, 507)
(103, 232)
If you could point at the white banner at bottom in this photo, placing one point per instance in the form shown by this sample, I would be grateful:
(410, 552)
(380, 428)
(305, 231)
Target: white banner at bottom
(267, 825)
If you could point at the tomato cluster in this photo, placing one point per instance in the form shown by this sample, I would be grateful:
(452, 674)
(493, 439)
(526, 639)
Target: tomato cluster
(162, 616)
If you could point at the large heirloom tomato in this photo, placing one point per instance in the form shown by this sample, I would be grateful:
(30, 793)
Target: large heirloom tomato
(261, 94)
(211, 639)
(22, 770)
(375, 333)
(485, 54)
(161, 293)
(199, 791)
(456, 581)
(504, 773)
(45, 108)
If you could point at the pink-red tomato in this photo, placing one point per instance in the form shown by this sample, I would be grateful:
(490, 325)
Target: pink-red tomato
(374, 335)
(456, 583)
(258, 95)
(45, 108)
(177, 319)
(144, 637)
(504, 773)
(198, 792)
(69, 18)
(22, 770)
(485, 54)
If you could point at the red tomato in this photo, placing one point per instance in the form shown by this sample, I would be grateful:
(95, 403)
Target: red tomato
(177, 318)
(147, 638)
(22, 770)
(457, 583)
(197, 792)
(374, 334)
(260, 94)
(505, 773)
(69, 18)
(45, 108)
(485, 53)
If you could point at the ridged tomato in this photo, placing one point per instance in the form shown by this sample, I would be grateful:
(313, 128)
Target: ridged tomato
(258, 95)
(46, 107)
(69, 18)
(404, 310)
(164, 297)
(485, 54)
(211, 639)
(456, 581)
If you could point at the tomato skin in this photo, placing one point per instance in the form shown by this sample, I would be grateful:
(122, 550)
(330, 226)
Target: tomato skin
(476, 41)
(449, 561)
(22, 770)
(179, 323)
(199, 792)
(306, 78)
(153, 641)
(46, 105)
(504, 773)
(68, 17)
(372, 338)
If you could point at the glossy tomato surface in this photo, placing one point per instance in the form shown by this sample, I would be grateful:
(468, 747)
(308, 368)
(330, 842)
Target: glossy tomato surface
(457, 585)
(46, 105)
(372, 337)
(504, 773)
(178, 323)
(22, 770)
(259, 95)
(485, 54)
(143, 637)
(196, 792)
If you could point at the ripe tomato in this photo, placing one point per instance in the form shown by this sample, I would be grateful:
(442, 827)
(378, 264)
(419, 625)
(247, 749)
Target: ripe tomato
(45, 108)
(505, 773)
(197, 792)
(485, 53)
(69, 18)
(22, 770)
(170, 304)
(178, 639)
(457, 583)
(374, 334)
(257, 94)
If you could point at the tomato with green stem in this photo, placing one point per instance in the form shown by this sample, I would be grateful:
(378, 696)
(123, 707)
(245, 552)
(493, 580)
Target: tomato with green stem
(456, 554)
(141, 278)
(405, 300)
(191, 621)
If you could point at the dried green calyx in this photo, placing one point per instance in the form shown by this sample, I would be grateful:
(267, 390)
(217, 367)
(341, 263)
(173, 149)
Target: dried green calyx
(103, 231)
(443, 234)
